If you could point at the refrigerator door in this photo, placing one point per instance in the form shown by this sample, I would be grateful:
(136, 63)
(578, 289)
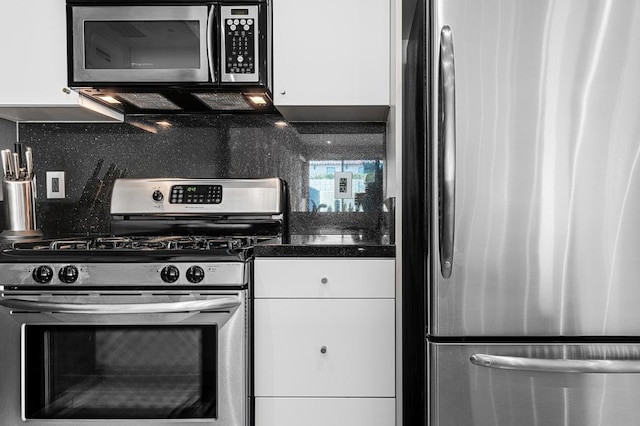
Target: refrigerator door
(535, 182)
(545, 384)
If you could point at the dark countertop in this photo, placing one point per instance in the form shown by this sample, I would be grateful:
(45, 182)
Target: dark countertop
(327, 246)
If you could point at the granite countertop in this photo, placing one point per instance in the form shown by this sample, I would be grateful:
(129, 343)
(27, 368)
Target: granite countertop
(328, 246)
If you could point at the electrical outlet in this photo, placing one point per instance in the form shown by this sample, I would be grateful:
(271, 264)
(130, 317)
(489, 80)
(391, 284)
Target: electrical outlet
(55, 185)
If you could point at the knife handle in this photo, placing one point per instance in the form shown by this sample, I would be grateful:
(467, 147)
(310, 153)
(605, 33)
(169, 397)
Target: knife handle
(16, 166)
(11, 173)
(19, 149)
(28, 161)
(5, 163)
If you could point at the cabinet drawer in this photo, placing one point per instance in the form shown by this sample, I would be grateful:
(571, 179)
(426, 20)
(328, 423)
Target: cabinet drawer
(325, 278)
(325, 411)
(324, 347)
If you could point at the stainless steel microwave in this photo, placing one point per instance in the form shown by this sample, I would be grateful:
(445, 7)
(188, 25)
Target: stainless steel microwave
(150, 54)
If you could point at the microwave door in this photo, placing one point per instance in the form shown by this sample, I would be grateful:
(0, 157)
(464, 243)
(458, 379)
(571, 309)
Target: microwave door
(141, 44)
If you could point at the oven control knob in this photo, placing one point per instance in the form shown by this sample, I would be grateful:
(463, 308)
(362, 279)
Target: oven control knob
(157, 195)
(170, 274)
(195, 274)
(68, 274)
(42, 274)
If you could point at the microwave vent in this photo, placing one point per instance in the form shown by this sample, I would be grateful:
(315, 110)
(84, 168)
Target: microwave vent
(148, 101)
(225, 101)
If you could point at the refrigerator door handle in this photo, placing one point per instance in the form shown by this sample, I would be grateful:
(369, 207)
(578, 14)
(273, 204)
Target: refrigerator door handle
(596, 366)
(447, 150)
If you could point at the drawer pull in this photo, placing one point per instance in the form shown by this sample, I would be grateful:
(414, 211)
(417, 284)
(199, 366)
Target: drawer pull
(324, 280)
(323, 350)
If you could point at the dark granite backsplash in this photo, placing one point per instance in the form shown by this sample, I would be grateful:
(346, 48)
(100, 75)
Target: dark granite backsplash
(207, 146)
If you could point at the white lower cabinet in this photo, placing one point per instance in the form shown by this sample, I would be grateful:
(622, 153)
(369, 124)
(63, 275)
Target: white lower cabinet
(324, 357)
(325, 411)
(328, 347)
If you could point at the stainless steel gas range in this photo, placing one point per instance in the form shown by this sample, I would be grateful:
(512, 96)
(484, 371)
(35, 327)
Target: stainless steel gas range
(148, 325)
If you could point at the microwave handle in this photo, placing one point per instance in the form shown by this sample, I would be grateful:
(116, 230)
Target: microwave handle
(211, 22)
(122, 308)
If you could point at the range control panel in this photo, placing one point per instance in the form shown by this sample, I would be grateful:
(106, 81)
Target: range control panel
(240, 43)
(196, 194)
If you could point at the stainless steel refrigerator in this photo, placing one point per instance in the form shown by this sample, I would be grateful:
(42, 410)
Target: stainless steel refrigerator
(521, 213)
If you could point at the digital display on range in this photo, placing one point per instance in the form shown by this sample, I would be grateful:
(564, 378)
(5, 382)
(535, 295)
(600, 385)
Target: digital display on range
(196, 194)
(239, 12)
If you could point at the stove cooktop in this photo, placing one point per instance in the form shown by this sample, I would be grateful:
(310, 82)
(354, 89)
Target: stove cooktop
(151, 253)
(129, 261)
(157, 238)
(107, 243)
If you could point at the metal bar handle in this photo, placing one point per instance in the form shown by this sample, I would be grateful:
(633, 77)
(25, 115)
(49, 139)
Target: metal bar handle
(556, 365)
(447, 151)
(211, 21)
(123, 308)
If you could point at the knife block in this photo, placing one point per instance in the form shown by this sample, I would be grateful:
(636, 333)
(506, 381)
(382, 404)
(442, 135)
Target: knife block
(19, 209)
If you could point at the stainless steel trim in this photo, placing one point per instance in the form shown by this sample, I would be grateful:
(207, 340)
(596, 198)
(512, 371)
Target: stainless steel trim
(556, 365)
(447, 157)
(210, 44)
(122, 308)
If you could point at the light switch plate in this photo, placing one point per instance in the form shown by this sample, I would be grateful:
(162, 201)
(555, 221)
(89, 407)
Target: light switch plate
(55, 185)
(343, 187)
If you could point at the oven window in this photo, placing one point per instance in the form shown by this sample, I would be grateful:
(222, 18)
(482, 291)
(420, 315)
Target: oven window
(120, 372)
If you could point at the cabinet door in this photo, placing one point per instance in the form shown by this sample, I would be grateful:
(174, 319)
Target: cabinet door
(325, 411)
(34, 53)
(33, 75)
(324, 278)
(332, 52)
(324, 347)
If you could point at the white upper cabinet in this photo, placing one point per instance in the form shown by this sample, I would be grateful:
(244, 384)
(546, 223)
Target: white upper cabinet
(33, 70)
(331, 59)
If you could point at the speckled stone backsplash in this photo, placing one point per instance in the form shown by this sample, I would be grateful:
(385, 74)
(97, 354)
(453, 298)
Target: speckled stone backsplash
(200, 146)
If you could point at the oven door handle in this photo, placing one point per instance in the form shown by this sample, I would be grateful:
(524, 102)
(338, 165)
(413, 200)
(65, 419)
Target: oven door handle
(123, 308)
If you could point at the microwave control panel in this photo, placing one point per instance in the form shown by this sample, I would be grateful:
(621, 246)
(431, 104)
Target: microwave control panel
(240, 48)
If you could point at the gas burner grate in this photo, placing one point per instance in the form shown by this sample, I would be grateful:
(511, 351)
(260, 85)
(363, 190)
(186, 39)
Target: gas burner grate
(144, 243)
(53, 245)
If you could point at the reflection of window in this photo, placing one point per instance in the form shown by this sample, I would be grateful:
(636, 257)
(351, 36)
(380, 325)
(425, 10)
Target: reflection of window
(321, 183)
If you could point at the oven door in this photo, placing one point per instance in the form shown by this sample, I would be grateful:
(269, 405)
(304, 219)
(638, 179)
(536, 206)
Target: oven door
(142, 44)
(128, 358)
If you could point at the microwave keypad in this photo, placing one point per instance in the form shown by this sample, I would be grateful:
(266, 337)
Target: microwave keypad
(240, 45)
(196, 194)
